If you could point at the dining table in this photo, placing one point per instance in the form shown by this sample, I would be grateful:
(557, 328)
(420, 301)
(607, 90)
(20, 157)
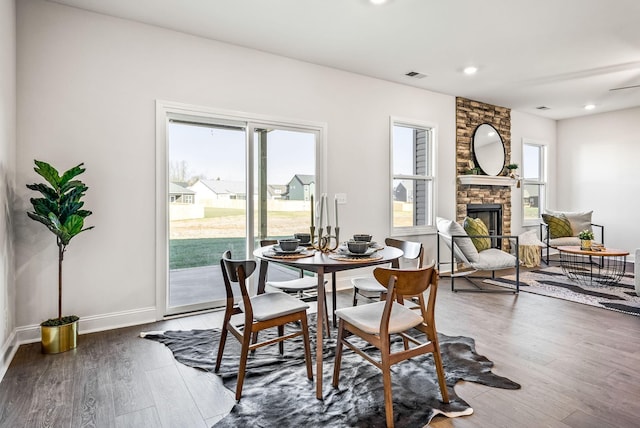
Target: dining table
(322, 263)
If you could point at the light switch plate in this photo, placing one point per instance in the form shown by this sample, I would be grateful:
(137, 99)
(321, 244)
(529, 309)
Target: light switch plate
(342, 198)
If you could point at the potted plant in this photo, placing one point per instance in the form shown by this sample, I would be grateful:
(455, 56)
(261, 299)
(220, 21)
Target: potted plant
(586, 236)
(512, 166)
(60, 210)
(473, 171)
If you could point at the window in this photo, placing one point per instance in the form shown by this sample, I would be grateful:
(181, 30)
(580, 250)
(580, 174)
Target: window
(412, 177)
(534, 175)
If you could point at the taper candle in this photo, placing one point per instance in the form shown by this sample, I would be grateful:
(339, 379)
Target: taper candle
(321, 210)
(326, 201)
(336, 204)
(312, 219)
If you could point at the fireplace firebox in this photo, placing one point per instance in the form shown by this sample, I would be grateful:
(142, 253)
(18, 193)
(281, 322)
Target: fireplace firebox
(491, 215)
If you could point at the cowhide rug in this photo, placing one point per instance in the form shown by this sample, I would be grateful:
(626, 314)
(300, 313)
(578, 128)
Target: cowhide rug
(277, 393)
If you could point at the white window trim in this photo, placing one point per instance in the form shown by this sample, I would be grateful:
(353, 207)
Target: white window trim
(543, 182)
(430, 228)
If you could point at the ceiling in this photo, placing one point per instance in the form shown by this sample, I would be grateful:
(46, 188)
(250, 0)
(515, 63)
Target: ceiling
(559, 54)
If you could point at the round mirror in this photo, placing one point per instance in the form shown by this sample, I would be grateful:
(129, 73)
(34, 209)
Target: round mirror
(488, 149)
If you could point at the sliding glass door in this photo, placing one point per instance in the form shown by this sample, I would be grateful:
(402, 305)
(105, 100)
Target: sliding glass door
(230, 184)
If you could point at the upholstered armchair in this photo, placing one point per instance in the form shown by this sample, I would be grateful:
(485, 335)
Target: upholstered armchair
(561, 228)
(464, 251)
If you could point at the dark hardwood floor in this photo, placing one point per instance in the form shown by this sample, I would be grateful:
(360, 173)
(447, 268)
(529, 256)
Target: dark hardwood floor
(579, 367)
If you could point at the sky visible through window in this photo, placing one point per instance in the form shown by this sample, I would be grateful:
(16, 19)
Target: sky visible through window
(220, 153)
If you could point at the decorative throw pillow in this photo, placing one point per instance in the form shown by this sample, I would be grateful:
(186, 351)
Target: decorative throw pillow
(475, 226)
(579, 220)
(559, 226)
(451, 228)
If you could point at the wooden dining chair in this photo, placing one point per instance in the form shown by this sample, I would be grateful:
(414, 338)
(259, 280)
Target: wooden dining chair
(412, 251)
(300, 287)
(260, 312)
(377, 322)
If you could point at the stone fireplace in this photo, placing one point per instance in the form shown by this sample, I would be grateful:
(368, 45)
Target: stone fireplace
(470, 114)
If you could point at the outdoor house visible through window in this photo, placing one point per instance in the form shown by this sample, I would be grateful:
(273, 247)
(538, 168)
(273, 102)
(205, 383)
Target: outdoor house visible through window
(412, 169)
(534, 175)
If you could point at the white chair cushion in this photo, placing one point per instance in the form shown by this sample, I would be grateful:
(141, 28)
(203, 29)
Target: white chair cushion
(451, 228)
(567, 240)
(272, 305)
(304, 283)
(368, 284)
(367, 317)
(494, 259)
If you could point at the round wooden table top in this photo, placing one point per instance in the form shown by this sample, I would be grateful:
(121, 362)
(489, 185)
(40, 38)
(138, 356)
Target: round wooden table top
(318, 260)
(607, 252)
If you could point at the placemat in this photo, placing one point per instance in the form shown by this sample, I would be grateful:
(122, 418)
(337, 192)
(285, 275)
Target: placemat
(354, 259)
(272, 255)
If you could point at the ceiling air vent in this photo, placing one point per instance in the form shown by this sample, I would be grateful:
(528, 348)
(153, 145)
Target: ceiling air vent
(415, 75)
(543, 108)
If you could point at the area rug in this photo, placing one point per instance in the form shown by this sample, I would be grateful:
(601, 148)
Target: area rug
(277, 393)
(550, 281)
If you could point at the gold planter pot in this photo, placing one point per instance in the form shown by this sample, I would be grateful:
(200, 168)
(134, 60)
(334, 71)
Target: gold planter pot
(585, 244)
(60, 338)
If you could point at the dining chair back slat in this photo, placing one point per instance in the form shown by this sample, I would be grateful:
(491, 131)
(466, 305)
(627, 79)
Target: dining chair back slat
(413, 251)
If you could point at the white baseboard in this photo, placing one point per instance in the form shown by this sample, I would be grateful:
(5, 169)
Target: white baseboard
(93, 323)
(8, 350)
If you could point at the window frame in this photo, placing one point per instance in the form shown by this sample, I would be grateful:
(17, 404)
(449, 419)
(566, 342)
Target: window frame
(542, 182)
(171, 110)
(430, 178)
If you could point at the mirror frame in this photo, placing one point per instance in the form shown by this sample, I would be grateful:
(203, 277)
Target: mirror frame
(477, 161)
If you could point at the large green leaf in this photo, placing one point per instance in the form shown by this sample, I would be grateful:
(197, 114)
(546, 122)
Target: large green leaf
(73, 225)
(48, 172)
(73, 195)
(47, 192)
(42, 219)
(44, 206)
(84, 213)
(72, 172)
(64, 188)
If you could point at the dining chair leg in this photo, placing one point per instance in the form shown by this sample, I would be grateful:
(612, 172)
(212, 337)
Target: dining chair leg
(386, 380)
(355, 296)
(437, 358)
(307, 345)
(326, 318)
(244, 353)
(223, 341)
(338, 357)
(281, 343)
(254, 340)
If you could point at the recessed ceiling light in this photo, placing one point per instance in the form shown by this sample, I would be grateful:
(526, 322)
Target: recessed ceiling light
(377, 1)
(589, 106)
(470, 70)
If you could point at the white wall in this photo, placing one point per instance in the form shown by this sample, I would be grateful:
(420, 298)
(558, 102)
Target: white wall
(542, 130)
(597, 166)
(7, 171)
(86, 93)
